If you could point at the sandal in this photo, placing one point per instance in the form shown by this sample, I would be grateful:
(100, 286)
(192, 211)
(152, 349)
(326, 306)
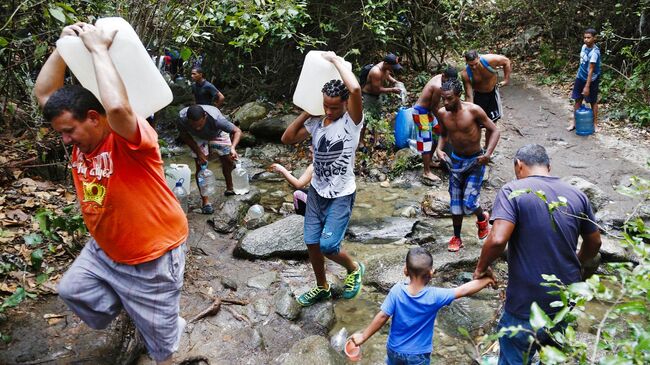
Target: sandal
(228, 193)
(207, 209)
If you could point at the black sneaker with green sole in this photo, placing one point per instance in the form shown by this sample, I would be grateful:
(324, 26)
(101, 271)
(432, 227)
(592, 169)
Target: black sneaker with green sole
(352, 284)
(314, 295)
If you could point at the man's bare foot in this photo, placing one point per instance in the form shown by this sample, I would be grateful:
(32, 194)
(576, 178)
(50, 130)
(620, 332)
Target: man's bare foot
(596, 128)
(571, 127)
(431, 176)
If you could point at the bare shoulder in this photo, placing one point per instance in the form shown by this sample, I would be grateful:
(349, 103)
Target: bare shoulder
(496, 59)
(471, 107)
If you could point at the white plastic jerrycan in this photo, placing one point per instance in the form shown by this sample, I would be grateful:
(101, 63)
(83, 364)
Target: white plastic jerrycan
(175, 172)
(316, 71)
(147, 90)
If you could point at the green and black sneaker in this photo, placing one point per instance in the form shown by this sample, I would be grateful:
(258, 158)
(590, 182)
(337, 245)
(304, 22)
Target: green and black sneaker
(314, 295)
(352, 282)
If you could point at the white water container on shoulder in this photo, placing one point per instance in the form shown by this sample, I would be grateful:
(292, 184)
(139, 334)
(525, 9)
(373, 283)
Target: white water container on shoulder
(146, 88)
(240, 183)
(175, 172)
(316, 71)
(206, 181)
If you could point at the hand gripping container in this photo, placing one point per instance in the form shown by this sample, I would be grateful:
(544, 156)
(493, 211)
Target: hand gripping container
(146, 88)
(316, 71)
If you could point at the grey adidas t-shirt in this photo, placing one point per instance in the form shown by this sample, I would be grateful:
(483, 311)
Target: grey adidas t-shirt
(334, 150)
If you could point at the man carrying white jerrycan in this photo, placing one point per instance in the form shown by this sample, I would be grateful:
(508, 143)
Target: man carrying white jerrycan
(203, 127)
(335, 137)
(135, 258)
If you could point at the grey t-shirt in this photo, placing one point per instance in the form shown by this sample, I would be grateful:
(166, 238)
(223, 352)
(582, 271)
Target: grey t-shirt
(535, 248)
(334, 152)
(214, 125)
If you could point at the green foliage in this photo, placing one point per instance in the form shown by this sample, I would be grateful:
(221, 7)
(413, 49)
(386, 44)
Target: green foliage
(70, 222)
(553, 62)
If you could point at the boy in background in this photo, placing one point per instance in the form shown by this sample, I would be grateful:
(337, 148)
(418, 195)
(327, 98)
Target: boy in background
(588, 77)
(413, 307)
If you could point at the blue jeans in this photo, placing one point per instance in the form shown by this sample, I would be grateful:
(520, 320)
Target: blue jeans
(396, 358)
(514, 349)
(326, 220)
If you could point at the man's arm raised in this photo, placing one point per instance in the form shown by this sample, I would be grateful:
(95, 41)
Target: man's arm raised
(112, 91)
(355, 108)
(52, 74)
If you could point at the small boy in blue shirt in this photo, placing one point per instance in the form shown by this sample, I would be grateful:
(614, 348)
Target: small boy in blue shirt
(588, 77)
(413, 307)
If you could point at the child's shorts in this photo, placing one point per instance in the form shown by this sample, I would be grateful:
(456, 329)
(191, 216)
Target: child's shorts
(326, 220)
(579, 85)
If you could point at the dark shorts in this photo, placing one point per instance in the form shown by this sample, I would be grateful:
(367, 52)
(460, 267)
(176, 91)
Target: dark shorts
(398, 358)
(490, 102)
(326, 220)
(579, 84)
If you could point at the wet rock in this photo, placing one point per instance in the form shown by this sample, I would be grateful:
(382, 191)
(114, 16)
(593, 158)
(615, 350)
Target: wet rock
(68, 340)
(263, 281)
(233, 210)
(283, 238)
(249, 113)
(409, 212)
(596, 196)
(611, 250)
(436, 203)
(311, 350)
(278, 335)
(382, 177)
(262, 307)
(402, 183)
(247, 140)
(287, 209)
(470, 313)
(380, 230)
(405, 156)
(285, 304)
(385, 184)
(384, 270)
(229, 283)
(278, 194)
(436, 181)
(271, 129)
(319, 318)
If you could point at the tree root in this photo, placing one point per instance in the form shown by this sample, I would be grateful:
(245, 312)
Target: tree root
(213, 309)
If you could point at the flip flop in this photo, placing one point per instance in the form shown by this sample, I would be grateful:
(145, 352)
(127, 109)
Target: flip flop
(228, 193)
(207, 209)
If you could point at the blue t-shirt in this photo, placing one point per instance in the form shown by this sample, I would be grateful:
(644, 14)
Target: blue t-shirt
(204, 93)
(534, 247)
(411, 329)
(589, 56)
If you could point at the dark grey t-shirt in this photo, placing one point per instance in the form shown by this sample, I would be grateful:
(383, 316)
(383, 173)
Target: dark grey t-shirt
(214, 125)
(204, 93)
(535, 248)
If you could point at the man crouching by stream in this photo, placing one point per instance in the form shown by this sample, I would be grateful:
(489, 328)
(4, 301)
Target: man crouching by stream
(461, 125)
(135, 258)
(335, 138)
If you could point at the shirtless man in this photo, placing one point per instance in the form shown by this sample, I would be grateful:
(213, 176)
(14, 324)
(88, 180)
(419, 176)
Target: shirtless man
(425, 117)
(480, 80)
(461, 123)
(373, 87)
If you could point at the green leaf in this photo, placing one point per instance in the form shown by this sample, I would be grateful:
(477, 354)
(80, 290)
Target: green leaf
(552, 355)
(632, 307)
(33, 239)
(37, 259)
(539, 319)
(463, 332)
(5, 338)
(186, 53)
(581, 289)
(515, 193)
(3, 42)
(15, 299)
(41, 278)
(57, 14)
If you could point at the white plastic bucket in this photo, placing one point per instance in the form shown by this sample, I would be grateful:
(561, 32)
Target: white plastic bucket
(146, 88)
(316, 71)
(175, 172)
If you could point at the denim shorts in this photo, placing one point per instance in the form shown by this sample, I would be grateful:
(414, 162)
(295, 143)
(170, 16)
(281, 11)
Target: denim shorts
(326, 220)
(515, 348)
(396, 358)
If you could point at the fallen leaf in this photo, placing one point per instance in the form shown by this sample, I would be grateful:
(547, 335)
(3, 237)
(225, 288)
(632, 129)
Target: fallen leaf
(53, 321)
(17, 215)
(52, 315)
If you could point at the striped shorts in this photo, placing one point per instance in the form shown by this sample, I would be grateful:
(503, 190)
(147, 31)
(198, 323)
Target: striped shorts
(465, 182)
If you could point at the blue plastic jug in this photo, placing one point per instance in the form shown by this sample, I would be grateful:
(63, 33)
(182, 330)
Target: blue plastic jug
(403, 127)
(584, 121)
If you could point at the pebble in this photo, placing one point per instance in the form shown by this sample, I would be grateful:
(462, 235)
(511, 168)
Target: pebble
(385, 184)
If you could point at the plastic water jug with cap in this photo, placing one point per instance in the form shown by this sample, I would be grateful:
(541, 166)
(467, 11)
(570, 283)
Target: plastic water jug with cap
(146, 88)
(206, 181)
(175, 172)
(584, 118)
(181, 195)
(240, 183)
(316, 72)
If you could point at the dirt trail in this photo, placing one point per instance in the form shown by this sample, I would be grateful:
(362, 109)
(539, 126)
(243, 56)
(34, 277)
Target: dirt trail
(538, 115)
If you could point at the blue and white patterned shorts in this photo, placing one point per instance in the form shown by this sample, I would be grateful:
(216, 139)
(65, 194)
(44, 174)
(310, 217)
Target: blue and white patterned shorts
(465, 181)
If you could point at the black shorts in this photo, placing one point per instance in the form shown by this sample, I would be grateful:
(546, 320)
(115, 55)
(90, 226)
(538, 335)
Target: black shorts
(490, 102)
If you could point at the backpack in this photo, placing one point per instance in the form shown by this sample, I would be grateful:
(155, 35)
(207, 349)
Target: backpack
(363, 74)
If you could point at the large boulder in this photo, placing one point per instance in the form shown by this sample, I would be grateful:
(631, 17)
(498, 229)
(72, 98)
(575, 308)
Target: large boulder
(382, 230)
(319, 318)
(285, 304)
(596, 196)
(271, 129)
(283, 238)
(182, 92)
(250, 113)
(470, 313)
(232, 211)
(311, 350)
